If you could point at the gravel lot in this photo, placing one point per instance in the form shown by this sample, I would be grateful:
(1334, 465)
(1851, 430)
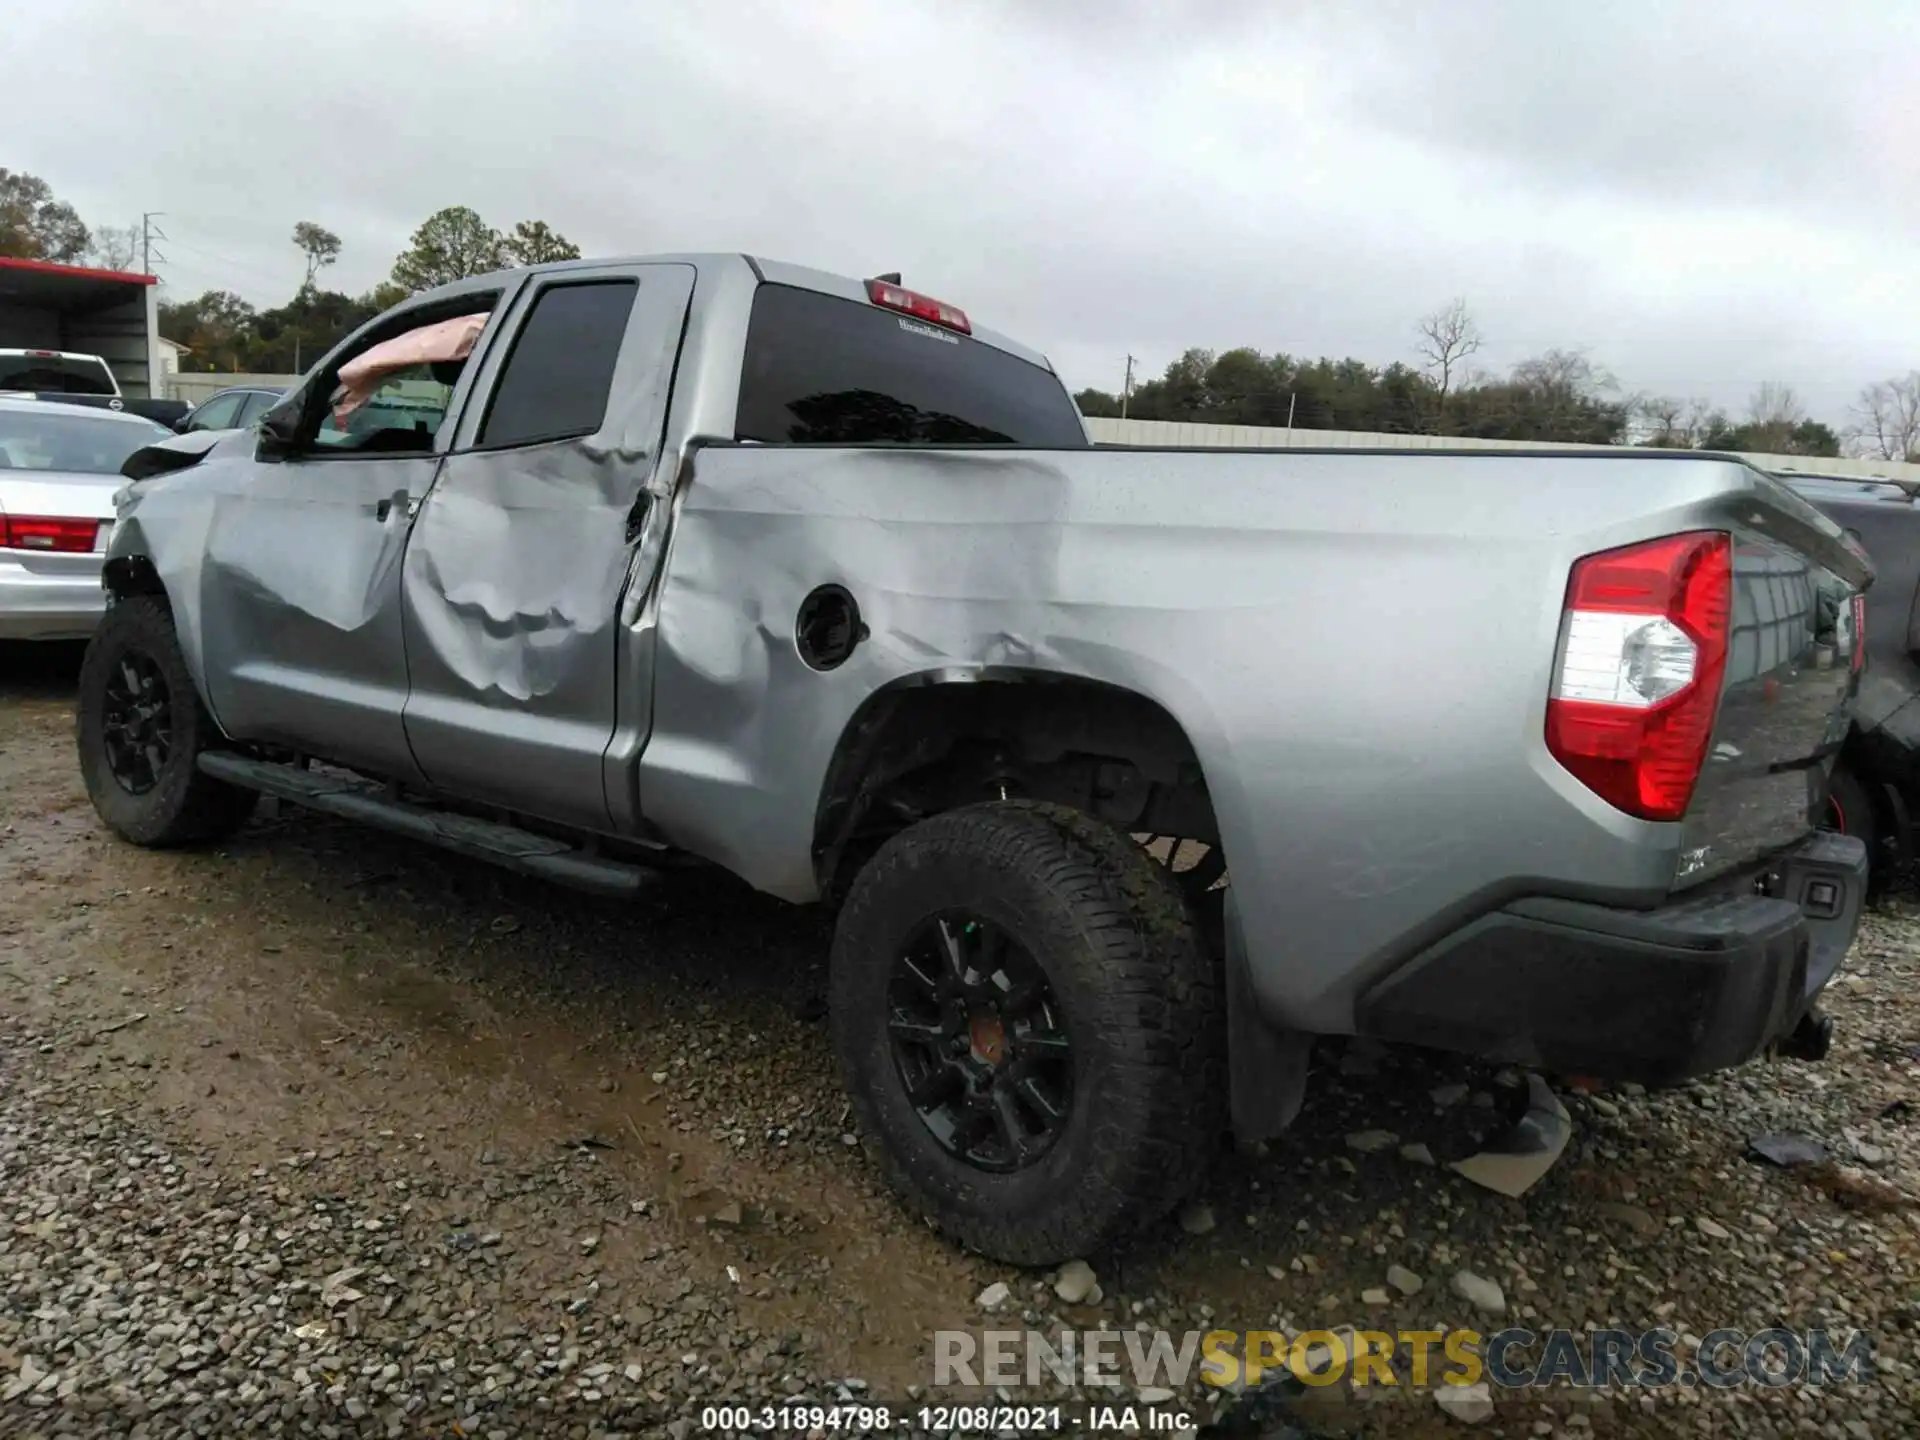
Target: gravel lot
(323, 1133)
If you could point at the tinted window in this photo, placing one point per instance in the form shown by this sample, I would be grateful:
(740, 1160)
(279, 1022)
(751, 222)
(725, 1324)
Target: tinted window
(219, 413)
(825, 371)
(56, 374)
(258, 402)
(560, 370)
(33, 439)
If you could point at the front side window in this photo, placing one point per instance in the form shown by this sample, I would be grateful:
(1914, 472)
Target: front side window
(392, 396)
(403, 412)
(557, 377)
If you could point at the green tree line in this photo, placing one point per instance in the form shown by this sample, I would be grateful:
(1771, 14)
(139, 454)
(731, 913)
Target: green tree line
(1561, 395)
(223, 332)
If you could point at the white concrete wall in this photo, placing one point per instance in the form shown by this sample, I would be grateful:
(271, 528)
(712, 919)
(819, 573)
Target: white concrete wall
(1259, 437)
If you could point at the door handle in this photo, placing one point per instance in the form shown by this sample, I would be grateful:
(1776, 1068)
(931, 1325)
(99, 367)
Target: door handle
(409, 506)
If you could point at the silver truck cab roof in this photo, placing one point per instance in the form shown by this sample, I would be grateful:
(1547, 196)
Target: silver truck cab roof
(750, 271)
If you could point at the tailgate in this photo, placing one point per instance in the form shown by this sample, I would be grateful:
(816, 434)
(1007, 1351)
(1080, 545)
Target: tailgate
(1790, 680)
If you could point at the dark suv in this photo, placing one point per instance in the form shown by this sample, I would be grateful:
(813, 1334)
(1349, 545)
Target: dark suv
(1875, 792)
(232, 409)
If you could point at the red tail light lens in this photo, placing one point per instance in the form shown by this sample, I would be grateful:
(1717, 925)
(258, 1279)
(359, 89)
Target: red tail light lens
(1643, 650)
(921, 307)
(48, 532)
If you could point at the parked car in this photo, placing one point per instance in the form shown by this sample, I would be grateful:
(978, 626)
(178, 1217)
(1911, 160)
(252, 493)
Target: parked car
(1876, 783)
(70, 378)
(59, 467)
(232, 409)
(720, 560)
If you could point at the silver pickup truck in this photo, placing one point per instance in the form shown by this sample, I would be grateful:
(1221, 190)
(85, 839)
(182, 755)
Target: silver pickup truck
(1128, 772)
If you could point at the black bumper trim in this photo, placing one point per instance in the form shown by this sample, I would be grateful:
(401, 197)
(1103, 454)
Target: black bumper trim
(1650, 995)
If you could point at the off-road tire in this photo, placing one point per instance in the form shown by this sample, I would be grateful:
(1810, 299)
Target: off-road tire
(184, 807)
(1851, 811)
(1144, 1012)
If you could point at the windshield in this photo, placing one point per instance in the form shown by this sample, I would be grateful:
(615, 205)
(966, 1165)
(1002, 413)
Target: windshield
(48, 374)
(50, 440)
(820, 370)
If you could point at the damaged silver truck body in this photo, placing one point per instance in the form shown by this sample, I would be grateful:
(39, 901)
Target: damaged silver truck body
(1127, 772)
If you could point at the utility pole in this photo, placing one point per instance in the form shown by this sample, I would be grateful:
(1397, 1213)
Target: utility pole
(150, 232)
(1126, 388)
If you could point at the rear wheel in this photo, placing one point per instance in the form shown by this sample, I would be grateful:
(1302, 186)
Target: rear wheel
(141, 729)
(1030, 1026)
(1850, 811)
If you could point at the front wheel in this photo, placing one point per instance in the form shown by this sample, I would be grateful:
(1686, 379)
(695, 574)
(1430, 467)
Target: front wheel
(1030, 1026)
(141, 728)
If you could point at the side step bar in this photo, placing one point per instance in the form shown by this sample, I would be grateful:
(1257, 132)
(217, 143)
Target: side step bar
(352, 798)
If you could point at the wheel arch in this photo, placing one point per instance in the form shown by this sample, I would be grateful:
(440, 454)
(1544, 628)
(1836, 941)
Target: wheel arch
(938, 739)
(132, 569)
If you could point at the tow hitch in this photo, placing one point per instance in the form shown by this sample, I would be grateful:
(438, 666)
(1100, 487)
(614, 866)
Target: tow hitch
(1811, 1039)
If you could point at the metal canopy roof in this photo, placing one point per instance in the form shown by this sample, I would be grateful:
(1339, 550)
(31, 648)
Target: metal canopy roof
(67, 288)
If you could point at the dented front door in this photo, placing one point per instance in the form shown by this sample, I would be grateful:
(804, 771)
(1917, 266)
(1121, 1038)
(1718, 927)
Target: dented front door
(514, 574)
(300, 599)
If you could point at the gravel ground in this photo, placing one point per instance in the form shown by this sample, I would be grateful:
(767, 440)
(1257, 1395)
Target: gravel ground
(322, 1133)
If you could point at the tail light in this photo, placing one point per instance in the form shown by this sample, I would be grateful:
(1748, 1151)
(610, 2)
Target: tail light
(921, 307)
(1859, 604)
(1643, 649)
(48, 532)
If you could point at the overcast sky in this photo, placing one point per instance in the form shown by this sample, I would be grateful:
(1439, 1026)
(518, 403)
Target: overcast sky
(1702, 196)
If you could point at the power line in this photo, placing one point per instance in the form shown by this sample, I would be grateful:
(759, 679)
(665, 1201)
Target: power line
(149, 232)
(230, 262)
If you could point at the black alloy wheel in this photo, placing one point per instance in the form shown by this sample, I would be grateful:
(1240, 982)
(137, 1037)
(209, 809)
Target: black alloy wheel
(140, 731)
(136, 723)
(980, 1042)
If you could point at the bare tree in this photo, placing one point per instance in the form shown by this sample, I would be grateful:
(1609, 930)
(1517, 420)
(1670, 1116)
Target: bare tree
(1886, 419)
(1675, 424)
(1774, 412)
(1447, 337)
(114, 247)
(1663, 419)
(1775, 403)
(1702, 419)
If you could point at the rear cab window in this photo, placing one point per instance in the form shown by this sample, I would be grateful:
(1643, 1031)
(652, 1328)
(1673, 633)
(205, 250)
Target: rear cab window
(48, 372)
(823, 370)
(559, 373)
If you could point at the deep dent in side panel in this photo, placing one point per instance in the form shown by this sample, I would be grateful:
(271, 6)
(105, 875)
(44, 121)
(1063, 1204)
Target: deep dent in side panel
(516, 583)
(739, 717)
(515, 553)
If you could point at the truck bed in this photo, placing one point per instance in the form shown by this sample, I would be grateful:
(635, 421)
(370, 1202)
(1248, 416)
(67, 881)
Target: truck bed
(1358, 645)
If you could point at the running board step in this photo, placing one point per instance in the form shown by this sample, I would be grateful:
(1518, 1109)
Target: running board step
(352, 798)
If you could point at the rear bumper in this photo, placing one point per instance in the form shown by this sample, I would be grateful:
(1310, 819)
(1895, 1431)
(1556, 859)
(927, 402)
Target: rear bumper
(38, 606)
(1648, 995)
